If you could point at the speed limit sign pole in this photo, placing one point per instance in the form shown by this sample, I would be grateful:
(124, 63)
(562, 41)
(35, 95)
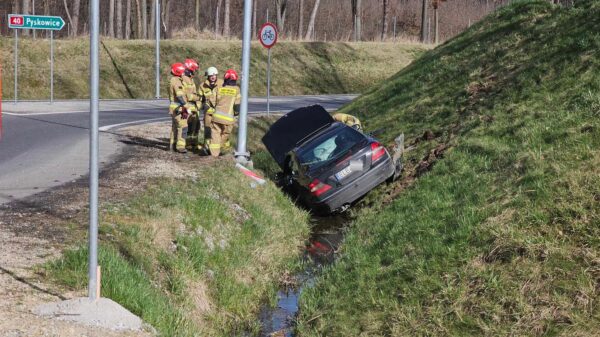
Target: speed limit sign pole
(267, 35)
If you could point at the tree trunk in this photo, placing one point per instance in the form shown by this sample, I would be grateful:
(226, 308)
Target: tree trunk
(16, 7)
(311, 23)
(436, 28)
(144, 19)
(197, 16)
(217, 19)
(226, 18)
(119, 19)
(75, 13)
(384, 28)
(152, 25)
(26, 9)
(111, 18)
(254, 11)
(281, 11)
(128, 19)
(300, 19)
(69, 16)
(166, 17)
(424, 16)
(357, 19)
(138, 19)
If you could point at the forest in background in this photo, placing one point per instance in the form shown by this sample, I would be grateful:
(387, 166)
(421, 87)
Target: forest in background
(309, 20)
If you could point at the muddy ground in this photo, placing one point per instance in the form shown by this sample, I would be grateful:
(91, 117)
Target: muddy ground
(35, 230)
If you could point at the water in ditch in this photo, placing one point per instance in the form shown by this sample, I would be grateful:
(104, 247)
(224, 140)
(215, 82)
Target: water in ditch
(321, 250)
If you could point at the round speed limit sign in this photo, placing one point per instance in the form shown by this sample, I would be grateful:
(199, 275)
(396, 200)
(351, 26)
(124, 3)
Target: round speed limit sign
(267, 35)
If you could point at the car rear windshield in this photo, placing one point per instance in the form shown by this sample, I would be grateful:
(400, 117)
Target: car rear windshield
(329, 147)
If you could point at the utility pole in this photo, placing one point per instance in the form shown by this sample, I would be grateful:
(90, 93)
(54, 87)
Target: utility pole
(94, 107)
(242, 156)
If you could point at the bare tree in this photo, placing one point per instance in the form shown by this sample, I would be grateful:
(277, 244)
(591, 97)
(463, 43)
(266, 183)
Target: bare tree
(69, 17)
(166, 17)
(300, 18)
(357, 19)
(26, 9)
(197, 14)
(144, 19)
(281, 11)
(384, 26)
(138, 19)
(311, 23)
(128, 19)
(424, 17)
(111, 18)
(254, 28)
(226, 18)
(217, 23)
(152, 24)
(119, 19)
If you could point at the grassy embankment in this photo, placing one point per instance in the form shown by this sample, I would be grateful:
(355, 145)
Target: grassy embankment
(127, 67)
(194, 256)
(501, 235)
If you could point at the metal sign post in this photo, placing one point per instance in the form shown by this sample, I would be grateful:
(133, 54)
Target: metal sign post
(51, 67)
(241, 155)
(16, 79)
(267, 36)
(157, 29)
(94, 106)
(51, 23)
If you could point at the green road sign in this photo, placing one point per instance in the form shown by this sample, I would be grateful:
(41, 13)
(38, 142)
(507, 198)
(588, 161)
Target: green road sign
(18, 21)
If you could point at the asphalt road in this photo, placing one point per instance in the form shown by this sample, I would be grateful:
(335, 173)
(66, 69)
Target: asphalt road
(45, 145)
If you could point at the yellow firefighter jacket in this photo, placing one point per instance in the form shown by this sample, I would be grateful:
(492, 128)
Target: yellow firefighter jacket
(189, 88)
(209, 93)
(348, 120)
(228, 102)
(175, 90)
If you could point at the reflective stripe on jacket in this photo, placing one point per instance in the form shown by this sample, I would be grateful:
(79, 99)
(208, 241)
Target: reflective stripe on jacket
(227, 99)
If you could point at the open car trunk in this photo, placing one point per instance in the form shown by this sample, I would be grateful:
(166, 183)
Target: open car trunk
(287, 132)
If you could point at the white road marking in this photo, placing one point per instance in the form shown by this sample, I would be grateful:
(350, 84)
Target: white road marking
(112, 126)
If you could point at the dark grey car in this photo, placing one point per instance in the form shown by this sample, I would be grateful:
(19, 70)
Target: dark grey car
(327, 164)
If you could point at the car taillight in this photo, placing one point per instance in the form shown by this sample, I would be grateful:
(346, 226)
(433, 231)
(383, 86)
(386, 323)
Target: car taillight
(317, 187)
(377, 151)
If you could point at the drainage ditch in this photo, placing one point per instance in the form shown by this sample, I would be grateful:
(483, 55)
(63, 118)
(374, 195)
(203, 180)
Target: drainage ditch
(320, 250)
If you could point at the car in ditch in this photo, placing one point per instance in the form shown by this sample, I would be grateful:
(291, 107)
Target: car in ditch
(326, 164)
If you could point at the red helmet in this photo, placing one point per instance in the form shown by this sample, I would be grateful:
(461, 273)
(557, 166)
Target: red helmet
(177, 69)
(231, 75)
(191, 65)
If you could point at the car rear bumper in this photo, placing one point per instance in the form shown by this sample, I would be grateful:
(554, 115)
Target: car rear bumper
(351, 192)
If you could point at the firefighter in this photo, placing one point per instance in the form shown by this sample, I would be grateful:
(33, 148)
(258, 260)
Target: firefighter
(177, 108)
(193, 99)
(208, 91)
(348, 120)
(223, 119)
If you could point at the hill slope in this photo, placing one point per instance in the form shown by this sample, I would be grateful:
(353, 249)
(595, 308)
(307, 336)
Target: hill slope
(127, 67)
(499, 233)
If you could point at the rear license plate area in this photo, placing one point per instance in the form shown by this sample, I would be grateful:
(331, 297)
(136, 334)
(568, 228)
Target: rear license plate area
(343, 173)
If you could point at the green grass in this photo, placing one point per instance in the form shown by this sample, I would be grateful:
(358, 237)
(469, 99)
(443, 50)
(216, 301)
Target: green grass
(127, 67)
(195, 258)
(500, 237)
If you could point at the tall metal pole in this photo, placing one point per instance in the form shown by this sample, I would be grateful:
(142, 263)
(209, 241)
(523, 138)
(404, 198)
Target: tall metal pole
(51, 67)
(242, 156)
(269, 82)
(268, 75)
(157, 29)
(94, 81)
(16, 65)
